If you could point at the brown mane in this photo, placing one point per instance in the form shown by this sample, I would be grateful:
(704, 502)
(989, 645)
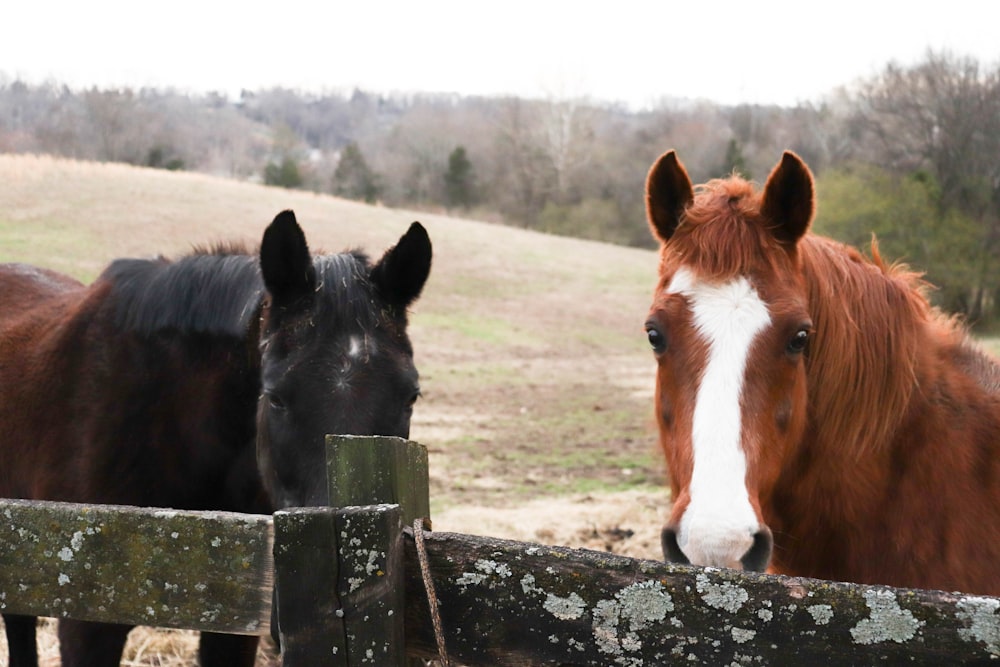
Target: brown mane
(872, 322)
(722, 233)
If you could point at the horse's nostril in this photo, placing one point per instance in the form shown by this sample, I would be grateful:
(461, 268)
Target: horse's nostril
(759, 554)
(671, 550)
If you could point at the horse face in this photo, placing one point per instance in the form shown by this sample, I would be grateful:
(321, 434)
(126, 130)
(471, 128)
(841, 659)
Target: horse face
(729, 327)
(335, 358)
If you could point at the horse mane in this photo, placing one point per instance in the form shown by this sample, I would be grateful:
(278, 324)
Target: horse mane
(213, 290)
(344, 277)
(873, 322)
(980, 365)
(723, 234)
(217, 290)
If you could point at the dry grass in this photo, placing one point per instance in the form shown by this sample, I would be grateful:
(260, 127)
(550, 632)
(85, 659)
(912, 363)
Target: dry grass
(146, 647)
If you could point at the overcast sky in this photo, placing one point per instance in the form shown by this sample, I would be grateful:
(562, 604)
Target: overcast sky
(634, 52)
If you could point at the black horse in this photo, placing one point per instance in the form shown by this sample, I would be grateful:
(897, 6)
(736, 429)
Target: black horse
(170, 384)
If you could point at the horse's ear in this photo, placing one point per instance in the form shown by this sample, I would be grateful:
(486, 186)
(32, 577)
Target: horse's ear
(285, 262)
(789, 199)
(401, 273)
(668, 192)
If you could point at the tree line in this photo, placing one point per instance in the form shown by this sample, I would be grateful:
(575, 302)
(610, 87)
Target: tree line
(911, 155)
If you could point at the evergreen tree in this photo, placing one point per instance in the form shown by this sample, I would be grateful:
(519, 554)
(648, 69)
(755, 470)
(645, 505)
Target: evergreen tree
(286, 174)
(353, 178)
(735, 160)
(459, 180)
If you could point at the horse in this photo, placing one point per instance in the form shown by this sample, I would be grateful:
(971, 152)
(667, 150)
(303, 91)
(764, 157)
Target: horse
(817, 415)
(205, 383)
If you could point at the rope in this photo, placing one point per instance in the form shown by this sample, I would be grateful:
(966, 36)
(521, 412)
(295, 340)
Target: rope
(432, 602)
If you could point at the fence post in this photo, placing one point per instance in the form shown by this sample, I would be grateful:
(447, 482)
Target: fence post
(367, 470)
(305, 585)
(339, 570)
(339, 585)
(370, 470)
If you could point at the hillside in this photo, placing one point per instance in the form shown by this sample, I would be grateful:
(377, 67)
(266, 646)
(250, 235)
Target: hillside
(536, 377)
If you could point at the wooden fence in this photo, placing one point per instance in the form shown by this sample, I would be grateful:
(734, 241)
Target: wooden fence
(349, 589)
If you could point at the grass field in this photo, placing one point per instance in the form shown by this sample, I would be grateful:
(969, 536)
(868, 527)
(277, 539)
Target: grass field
(536, 376)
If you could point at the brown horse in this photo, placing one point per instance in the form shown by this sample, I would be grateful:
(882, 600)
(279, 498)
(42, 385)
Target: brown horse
(818, 416)
(169, 383)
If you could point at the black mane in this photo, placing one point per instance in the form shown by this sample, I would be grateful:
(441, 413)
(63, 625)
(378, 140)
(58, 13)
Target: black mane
(219, 290)
(344, 278)
(206, 292)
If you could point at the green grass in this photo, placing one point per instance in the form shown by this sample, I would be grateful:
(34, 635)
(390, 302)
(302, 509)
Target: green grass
(54, 242)
(481, 328)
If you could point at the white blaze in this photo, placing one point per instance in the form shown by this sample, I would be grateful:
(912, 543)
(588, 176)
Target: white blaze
(355, 347)
(719, 523)
(361, 347)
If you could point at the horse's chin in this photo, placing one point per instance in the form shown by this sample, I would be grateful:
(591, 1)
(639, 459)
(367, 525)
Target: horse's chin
(292, 499)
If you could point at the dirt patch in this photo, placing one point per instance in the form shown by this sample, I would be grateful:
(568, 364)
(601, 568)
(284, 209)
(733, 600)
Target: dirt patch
(625, 522)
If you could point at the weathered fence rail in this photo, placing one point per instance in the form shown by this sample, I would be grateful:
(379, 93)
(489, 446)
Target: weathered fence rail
(204, 570)
(511, 603)
(349, 590)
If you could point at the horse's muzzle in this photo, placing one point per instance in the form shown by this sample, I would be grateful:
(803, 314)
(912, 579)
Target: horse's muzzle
(755, 559)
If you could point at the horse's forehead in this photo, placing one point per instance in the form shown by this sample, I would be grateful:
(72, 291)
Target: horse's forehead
(724, 297)
(728, 252)
(782, 293)
(686, 278)
(723, 240)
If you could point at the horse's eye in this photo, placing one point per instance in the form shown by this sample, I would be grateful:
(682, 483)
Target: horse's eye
(275, 401)
(798, 343)
(656, 339)
(414, 397)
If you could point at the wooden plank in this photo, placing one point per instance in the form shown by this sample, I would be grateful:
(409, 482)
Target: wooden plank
(370, 588)
(510, 603)
(340, 586)
(373, 470)
(310, 613)
(167, 568)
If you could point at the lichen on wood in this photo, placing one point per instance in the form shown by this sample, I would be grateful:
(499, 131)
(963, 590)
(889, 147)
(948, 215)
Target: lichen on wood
(167, 568)
(509, 603)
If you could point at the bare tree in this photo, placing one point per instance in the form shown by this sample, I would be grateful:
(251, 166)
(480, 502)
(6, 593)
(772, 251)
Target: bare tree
(941, 119)
(527, 177)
